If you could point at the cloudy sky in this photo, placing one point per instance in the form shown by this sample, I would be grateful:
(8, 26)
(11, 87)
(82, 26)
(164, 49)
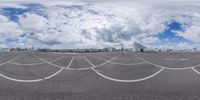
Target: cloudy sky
(99, 23)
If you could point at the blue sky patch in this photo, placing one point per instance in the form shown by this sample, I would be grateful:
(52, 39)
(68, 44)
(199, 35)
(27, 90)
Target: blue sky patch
(169, 36)
(12, 13)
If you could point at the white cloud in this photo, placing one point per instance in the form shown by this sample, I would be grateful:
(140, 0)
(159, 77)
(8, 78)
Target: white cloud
(32, 22)
(8, 29)
(191, 29)
(74, 24)
(150, 40)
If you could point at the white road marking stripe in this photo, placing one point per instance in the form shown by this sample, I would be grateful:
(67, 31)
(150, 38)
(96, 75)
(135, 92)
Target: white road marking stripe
(167, 67)
(50, 63)
(139, 63)
(9, 60)
(196, 71)
(178, 68)
(119, 80)
(36, 80)
(60, 70)
(56, 73)
(19, 80)
(88, 61)
(106, 62)
(70, 63)
(36, 63)
(93, 64)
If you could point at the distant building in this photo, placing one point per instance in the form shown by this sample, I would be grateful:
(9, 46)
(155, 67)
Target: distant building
(137, 47)
(14, 50)
(18, 49)
(4, 50)
(109, 49)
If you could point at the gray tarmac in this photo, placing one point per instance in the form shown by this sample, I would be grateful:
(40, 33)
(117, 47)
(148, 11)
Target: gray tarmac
(99, 76)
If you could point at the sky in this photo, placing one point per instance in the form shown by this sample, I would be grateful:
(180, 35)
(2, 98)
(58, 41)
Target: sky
(65, 24)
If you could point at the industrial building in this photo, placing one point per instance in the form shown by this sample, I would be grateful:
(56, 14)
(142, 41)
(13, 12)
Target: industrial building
(137, 47)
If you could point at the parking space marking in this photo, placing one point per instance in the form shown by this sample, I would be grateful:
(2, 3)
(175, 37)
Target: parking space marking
(18, 80)
(196, 71)
(89, 68)
(37, 80)
(185, 68)
(119, 80)
(10, 60)
(139, 63)
(70, 63)
(127, 81)
(36, 63)
(60, 70)
(50, 63)
(106, 61)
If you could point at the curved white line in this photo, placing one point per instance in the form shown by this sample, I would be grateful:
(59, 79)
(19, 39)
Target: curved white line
(166, 67)
(178, 68)
(148, 61)
(195, 66)
(27, 59)
(93, 66)
(138, 63)
(196, 71)
(60, 70)
(9, 60)
(119, 80)
(48, 77)
(36, 80)
(50, 63)
(36, 63)
(105, 62)
(79, 69)
(18, 80)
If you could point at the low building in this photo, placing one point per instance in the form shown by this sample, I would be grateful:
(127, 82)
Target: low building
(137, 47)
(14, 50)
(4, 50)
(109, 49)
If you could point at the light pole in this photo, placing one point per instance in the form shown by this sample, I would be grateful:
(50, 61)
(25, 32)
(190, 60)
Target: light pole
(122, 35)
(30, 37)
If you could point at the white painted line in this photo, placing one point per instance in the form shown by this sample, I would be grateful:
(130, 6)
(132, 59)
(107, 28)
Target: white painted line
(70, 63)
(27, 64)
(54, 74)
(120, 80)
(192, 67)
(36, 80)
(196, 71)
(50, 63)
(139, 63)
(80, 69)
(163, 66)
(89, 61)
(106, 62)
(36, 63)
(195, 66)
(178, 68)
(60, 70)
(9, 60)
(18, 80)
